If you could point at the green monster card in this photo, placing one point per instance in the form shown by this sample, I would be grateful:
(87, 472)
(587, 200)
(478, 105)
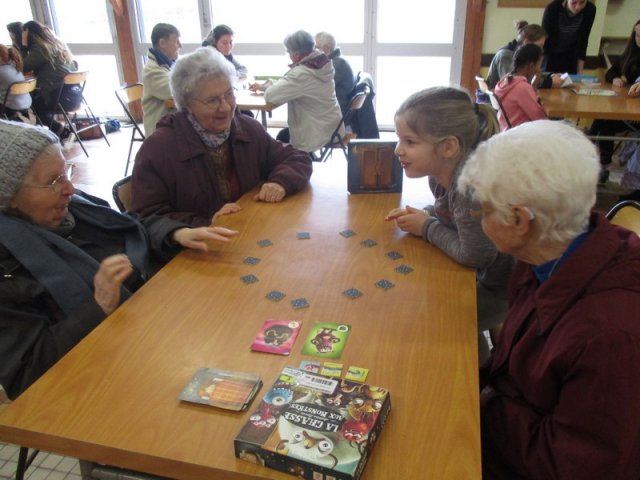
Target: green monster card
(326, 339)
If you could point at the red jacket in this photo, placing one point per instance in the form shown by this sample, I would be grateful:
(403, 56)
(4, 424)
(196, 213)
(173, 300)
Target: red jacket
(172, 175)
(561, 397)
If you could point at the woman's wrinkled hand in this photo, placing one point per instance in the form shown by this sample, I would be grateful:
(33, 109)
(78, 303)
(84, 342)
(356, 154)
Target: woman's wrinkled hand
(107, 282)
(270, 193)
(197, 238)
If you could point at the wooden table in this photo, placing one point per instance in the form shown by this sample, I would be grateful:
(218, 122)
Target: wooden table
(564, 103)
(113, 398)
(245, 100)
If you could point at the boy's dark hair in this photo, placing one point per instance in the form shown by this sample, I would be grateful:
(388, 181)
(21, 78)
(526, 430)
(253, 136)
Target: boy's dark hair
(162, 30)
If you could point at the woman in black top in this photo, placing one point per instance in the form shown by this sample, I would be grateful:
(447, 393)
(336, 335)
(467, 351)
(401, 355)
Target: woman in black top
(568, 24)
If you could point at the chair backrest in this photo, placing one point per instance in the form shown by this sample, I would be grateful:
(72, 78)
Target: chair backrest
(25, 86)
(75, 78)
(358, 99)
(17, 88)
(130, 93)
(121, 192)
(497, 106)
(127, 95)
(482, 84)
(627, 215)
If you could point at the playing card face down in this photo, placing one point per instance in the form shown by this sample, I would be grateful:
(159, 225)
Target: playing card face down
(276, 336)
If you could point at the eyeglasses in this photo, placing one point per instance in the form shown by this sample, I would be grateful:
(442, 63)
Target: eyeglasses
(58, 182)
(214, 103)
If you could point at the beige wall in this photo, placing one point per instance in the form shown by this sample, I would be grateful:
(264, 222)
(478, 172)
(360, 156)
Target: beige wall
(613, 18)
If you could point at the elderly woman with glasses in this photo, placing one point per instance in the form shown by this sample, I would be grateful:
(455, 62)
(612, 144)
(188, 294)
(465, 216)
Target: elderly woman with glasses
(206, 155)
(560, 391)
(67, 259)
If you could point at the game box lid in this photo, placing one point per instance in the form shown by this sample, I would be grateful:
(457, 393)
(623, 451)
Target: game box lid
(315, 427)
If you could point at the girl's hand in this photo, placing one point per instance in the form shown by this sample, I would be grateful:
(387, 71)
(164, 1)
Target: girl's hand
(409, 219)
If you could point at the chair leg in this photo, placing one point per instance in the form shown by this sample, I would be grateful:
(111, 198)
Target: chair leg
(73, 129)
(126, 167)
(94, 119)
(24, 461)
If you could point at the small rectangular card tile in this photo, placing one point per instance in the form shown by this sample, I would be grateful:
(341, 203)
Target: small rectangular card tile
(304, 235)
(251, 260)
(249, 279)
(384, 284)
(275, 295)
(265, 242)
(369, 243)
(347, 233)
(352, 293)
(299, 303)
(393, 255)
(405, 269)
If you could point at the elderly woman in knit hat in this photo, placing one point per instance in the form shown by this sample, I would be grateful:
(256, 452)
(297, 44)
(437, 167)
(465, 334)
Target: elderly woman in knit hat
(67, 259)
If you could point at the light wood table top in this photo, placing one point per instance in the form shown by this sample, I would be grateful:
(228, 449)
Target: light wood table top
(113, 398)
(564, 103)
(245, 100)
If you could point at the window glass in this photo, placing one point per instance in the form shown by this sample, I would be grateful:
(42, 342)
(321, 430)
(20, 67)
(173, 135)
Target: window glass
(183, 14)
(390, 93)
(20, 11)
(82, 22)
(102, 82)
(253, 24)
(408, 21)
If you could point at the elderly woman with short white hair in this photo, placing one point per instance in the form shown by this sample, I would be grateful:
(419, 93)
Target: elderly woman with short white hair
(207, 155)
(560, 391)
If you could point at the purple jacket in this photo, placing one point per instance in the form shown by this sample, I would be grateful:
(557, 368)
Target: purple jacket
(561, 396)
(172, 175)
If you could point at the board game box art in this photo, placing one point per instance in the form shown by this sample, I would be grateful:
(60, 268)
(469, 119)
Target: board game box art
(315, 427)
(373, 167)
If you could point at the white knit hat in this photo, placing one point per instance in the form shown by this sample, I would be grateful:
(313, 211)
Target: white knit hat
(20, 145)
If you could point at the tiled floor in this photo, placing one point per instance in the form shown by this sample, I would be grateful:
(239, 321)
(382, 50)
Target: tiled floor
(45, 466)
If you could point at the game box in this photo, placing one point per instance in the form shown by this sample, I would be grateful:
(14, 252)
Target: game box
(315, 427)
(373, 167)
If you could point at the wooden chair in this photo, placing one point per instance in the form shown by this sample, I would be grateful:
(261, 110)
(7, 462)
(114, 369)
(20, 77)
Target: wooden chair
(126, 95)
(495, 101)
(18, 88)
(627, 215)
(71, 114)
(340, 141)
(121, 192)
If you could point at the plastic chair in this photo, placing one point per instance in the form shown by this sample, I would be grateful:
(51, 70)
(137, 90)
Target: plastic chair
(71, 115)
(121, 192)
(18, 88)
(627, 215)
(337, 140)
(126, 95)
